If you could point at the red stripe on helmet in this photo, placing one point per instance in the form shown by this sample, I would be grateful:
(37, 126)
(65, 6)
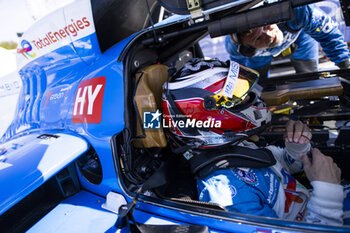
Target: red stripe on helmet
(193, 108)
(216, 86)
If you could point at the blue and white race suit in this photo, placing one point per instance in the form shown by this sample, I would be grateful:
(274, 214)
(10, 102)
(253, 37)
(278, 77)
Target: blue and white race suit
(309, 24)
(273, 192)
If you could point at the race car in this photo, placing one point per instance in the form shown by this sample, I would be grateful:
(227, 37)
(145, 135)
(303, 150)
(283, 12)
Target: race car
(83, 153)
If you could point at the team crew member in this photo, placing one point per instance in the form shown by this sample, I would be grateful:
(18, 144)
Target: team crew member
(256, 47)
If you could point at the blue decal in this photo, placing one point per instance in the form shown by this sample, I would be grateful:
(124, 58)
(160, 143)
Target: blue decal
(247, 177)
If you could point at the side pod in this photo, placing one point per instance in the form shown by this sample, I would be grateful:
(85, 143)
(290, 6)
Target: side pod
(30, 160)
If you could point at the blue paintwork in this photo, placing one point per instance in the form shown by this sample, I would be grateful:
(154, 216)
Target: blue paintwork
(99, 135)
(79, 213)
(44, 79)
(30, 161)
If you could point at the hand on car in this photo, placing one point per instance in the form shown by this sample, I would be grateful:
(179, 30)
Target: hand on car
(321, 168)
(297, 132)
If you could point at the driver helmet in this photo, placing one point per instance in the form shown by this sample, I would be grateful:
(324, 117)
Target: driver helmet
(210, 103)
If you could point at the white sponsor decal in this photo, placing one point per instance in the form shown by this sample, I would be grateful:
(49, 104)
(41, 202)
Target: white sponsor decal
(56, 30)
(231, 80)
(80, 99)
(4, 165)
(56, 96)
(9, 87)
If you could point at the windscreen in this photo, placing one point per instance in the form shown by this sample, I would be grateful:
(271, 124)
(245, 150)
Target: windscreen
(117, 20)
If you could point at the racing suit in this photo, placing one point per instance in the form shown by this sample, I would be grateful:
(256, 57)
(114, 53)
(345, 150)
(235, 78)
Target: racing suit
(309, 24)
(273, 192)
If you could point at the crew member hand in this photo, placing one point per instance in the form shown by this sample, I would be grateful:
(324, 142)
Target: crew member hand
(321, 168)
(297, 132)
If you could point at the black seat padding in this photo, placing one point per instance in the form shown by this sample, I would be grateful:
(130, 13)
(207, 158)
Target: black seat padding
(206, 161)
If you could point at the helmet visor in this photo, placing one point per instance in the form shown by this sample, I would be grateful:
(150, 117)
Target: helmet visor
(240, 81)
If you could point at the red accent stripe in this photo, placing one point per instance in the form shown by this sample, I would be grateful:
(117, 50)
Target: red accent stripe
(216, 86)
(292, 184)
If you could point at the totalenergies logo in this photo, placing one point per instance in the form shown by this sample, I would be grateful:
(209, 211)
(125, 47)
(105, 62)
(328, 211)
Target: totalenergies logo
(47, 40)
(26, 48)
(52, 37)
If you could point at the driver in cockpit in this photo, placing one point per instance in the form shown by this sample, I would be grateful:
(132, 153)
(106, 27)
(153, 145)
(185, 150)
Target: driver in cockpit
(233, 171)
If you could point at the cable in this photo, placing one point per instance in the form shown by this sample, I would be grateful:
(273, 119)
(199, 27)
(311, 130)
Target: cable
(151, 21)
(143, 135)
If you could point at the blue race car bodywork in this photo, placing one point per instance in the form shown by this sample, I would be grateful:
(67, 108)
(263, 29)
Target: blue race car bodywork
(64, 165)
